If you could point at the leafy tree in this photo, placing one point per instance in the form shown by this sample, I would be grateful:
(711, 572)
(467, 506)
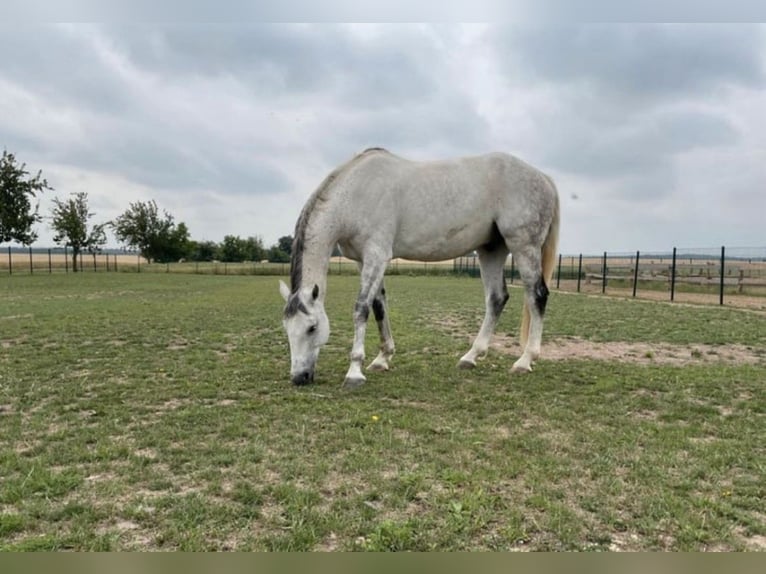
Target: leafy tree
(235, 249)
(285, 243)
(203, 250)
(280, 251)
(16, 192)
(177, 245)
(276, 255)
(156, 236)
(69, 219)
(255, 249)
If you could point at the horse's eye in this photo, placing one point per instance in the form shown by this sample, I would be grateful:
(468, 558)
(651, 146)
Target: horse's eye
(311, 330)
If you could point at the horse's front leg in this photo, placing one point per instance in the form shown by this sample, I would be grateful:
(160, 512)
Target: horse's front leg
(372, 278)
(380, 310)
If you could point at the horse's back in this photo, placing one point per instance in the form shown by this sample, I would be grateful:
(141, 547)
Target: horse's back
(441, 209)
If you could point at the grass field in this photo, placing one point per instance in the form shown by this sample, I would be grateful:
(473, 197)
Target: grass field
(153, 412)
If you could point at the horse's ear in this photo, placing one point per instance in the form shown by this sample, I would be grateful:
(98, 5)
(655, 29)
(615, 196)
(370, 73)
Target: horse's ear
(284, 290)
(315, 292)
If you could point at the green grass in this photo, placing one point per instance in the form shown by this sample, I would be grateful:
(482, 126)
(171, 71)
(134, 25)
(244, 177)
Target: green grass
(153, 411)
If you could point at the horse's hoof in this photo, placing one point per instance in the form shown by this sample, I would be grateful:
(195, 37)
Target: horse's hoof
(464, 364)
(376, 366)
(521, 368)
(353, 382)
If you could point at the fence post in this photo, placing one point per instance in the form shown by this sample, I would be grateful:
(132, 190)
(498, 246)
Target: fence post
(66, 259)
(603, 275)
(512, 265)
(94, 262)
(558, 275)
(10, 262)
(579, 273)
(138, 260)
(107, 262)
(115, 262)
(50, 264)
(673, 276)
(635, 274)
(723, 262)
(31, 267)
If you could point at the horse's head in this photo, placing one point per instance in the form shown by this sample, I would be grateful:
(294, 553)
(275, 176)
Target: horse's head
(307, 328)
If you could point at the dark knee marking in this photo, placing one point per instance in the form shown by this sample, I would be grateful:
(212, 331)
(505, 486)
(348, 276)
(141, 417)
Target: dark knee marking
(378, 310)
(382, 291)
(498, 301)
(362, 310)
(541, 295)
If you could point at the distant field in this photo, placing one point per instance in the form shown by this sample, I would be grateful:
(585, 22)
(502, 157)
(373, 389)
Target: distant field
(153, 412)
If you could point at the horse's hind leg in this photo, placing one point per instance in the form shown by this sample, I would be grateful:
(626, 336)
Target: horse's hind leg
(380, 310)
(492, 261)
(529, 264)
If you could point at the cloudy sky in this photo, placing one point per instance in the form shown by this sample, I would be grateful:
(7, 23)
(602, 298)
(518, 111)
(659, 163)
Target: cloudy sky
(655, 134)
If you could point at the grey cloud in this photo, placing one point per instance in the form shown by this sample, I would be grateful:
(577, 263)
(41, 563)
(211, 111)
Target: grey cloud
(61, 65)
(638, 62)
(635, 145)
(274, 60)
(388, 91)
(629, 100)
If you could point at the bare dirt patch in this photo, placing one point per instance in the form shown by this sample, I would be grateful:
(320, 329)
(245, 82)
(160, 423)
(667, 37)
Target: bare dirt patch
(9, 343)
(756, 542)
(573, 348)
(178, 344)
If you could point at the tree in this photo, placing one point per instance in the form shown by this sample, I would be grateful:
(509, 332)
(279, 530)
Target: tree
(203, 250)
(178, 244)
(285, 243)
(233, 249)
(276, 255)
(16, 192)
(156, 236)
(255, 249)
(280, 251)
(69, 219)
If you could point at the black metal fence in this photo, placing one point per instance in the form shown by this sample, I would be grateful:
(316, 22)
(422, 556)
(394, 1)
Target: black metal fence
(693, 274)
(688, 274)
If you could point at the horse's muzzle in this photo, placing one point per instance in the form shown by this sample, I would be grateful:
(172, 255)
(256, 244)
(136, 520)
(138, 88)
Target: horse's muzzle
(304, 378)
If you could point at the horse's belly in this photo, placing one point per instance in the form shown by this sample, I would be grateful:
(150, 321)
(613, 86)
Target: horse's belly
(424, 242)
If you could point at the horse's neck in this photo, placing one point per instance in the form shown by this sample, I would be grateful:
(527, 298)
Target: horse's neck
(315, 271)
(317, 248)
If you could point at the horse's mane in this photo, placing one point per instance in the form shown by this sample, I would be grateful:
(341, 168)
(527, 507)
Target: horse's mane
(320, 195)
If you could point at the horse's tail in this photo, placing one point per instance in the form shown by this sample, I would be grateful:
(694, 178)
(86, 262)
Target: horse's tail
(549, 249)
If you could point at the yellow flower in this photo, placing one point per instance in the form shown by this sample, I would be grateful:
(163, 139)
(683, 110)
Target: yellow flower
(375, 418)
